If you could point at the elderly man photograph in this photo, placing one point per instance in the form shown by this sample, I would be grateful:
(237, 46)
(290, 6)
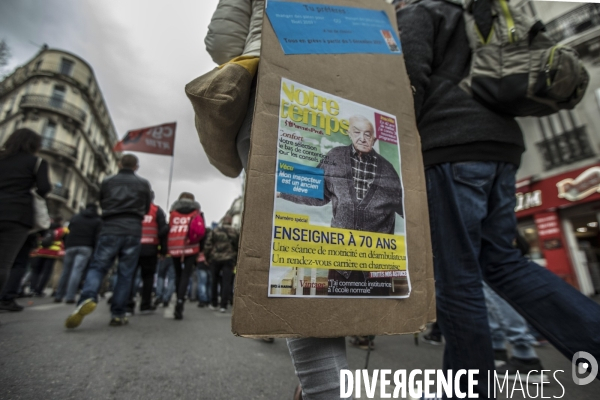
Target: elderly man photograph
(362, 186)
(364, 190)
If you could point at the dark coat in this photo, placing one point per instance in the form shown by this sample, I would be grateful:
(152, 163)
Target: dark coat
(376, 212)
(453, 126)
(84, 228)
(125, 198)
(17, 177)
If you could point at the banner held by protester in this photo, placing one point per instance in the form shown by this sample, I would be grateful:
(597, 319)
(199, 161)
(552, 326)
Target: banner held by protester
(159, 139)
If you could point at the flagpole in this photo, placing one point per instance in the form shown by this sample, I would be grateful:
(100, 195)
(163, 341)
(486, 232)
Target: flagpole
(170, 179)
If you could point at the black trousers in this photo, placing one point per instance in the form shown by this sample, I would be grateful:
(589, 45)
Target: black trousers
(41, 271)
(222, 273)
(147, 264)
(183, 272)
(17, 272)
(12, 237)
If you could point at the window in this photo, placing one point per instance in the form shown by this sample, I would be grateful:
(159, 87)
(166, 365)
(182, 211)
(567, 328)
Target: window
(564, 140)
(66, 66)
(58, 96)
(37, 65)
(49, 131)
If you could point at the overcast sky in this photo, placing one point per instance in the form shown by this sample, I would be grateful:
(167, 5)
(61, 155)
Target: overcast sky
(143, 52)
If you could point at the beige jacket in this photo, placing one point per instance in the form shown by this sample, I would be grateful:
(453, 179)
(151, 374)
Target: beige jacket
(235, 30)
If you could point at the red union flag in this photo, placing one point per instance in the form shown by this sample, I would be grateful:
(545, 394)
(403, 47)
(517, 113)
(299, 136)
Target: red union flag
(159, 139)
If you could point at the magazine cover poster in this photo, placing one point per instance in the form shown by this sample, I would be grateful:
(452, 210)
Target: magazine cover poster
(338, 218)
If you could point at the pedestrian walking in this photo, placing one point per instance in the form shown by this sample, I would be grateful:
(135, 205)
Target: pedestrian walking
(220, 250)
(154, 233)
(84, 229)
(51, 248)
(20, 171)
(184, 253)
(165, 282)
(124, 198)
(203, 272)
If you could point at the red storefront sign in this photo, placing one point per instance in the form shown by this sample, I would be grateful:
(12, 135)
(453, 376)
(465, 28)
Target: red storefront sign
(552, 244)
(577, 186)
(158, 139)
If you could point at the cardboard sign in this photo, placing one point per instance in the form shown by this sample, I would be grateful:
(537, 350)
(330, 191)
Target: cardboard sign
(371, 94)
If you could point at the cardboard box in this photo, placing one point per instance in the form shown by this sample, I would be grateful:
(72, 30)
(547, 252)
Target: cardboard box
(378, 81)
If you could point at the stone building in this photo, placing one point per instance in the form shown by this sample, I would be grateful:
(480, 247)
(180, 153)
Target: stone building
(558, 187)
(57, 95)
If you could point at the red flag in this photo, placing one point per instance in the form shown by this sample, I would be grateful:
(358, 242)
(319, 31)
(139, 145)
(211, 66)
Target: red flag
(159, 139)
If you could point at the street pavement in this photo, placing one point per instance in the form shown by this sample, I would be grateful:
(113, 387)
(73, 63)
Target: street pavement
(157, 357)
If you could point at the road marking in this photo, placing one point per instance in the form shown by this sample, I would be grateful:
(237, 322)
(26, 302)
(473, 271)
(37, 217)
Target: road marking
(45, 307)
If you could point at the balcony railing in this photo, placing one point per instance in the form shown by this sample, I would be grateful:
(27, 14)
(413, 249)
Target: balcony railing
(53, 104)
(565, 148)
(61, 192)
(59, 147)
(574, 22)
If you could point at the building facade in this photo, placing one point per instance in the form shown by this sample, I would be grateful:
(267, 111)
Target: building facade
(56, 95)
(558, 188)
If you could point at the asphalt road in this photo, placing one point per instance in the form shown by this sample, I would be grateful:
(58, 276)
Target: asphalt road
(156, 357)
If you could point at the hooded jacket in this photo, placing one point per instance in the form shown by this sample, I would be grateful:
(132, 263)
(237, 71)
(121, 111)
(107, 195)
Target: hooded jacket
(84, 228)
(454, 127)
(178, 245)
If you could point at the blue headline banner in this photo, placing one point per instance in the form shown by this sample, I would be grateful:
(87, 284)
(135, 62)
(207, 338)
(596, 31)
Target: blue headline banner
(323, 29)
(300, 180)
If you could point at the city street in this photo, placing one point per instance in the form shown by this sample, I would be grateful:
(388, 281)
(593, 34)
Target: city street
(156, 357)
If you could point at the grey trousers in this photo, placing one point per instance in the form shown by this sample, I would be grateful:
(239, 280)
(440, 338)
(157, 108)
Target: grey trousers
(318, 362)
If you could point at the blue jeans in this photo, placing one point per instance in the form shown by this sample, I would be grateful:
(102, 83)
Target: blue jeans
(204, 292)
(127, 249)
(473, 224)
(165, 272)
(507, 325)
(74, 263)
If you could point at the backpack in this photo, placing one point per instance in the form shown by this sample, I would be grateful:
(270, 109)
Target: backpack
(516, 68)
(196, 229)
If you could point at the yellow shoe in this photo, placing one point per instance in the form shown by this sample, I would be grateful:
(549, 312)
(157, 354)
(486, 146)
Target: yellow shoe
(85, 308)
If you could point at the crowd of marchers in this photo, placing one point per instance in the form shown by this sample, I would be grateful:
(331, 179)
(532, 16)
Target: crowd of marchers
(130, 248)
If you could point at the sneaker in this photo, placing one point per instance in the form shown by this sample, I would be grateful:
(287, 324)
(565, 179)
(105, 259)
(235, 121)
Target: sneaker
(362, 342)
(85, 308)
(201, 304)
(222, 310)
(157, 302)
(147, 310)
(212, 308)
(10, 305)
(166, 304)
(435, 340)
(70, 302)
(518, 368)
(500, 357)
(118, 321)
(58, 300)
